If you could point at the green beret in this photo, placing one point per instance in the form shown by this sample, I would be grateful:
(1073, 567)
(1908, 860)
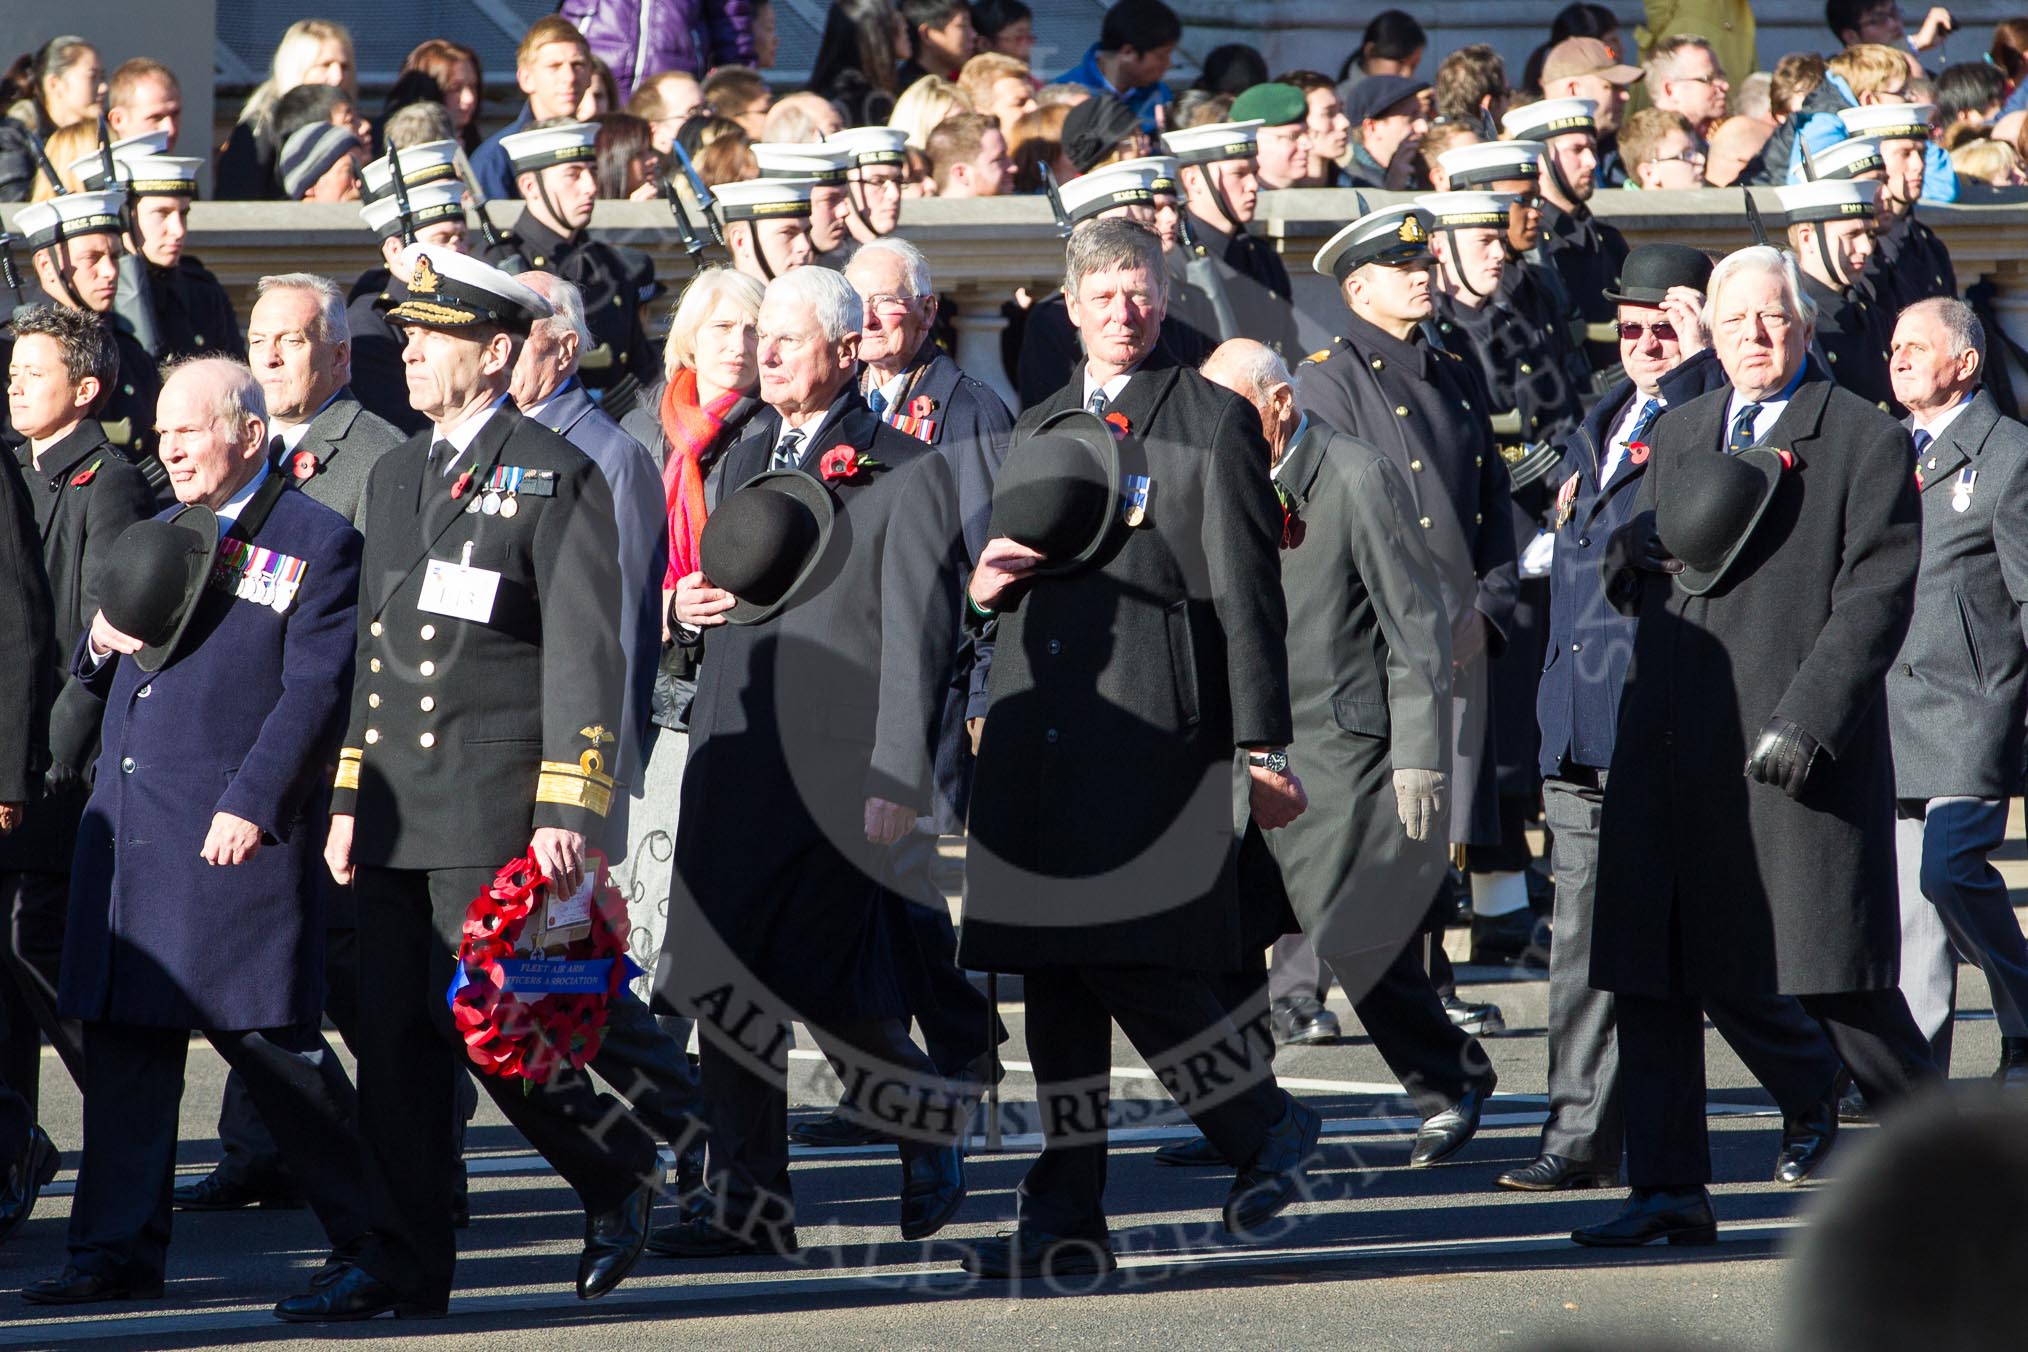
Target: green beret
(1276, 105)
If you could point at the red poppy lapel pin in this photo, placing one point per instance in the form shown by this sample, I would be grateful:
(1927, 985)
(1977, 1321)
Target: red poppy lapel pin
(1117, 421)
(921, 406)
(1293, 527)
(462, 483)
(1637, 452)
(303, 464)
(89, 473)
(843, 463)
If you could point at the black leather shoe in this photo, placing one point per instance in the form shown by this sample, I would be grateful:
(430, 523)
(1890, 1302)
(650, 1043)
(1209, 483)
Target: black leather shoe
(216, 1193)
(1806, 1140)
(1036, 1253)
(84, 1288)
(1195, 1153)
(1468, 1016)
(1852, 1104)
(1271, 1182)
(353, 1295)
(2013, 1071)
(1679, 1215)
(25, 1179)
(832, 1131)
(1444, 1134)
(1300, 1019)
(1555, 1173)
(703, 1238)
(932, 1190)
(613, 1241)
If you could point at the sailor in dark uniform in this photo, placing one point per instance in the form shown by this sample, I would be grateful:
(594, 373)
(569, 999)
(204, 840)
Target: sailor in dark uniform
(1222, 186)
(1831, 224)
(553, 168)
(1586, 252)
(1911, 263)
(1050, 350)
(873, 183)
(168, 300)
(1425, 409)
(767, 225)
(435, 216)
(75, 241)
(829, 170)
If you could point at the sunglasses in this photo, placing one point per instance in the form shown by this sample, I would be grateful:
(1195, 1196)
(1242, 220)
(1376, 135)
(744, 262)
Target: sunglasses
(1631, 332)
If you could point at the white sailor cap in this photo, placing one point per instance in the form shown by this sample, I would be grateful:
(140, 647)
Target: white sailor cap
(1392, 237)
(143, 175)
(1466, 210)
(871, 145)
(79, 213)
(820, 163)
(90, 168)
(755, 199)
(1468, 166)
(450, 290)
(1162, 172)
(1890, 121)
(1849, 158)
(564, 143)
(1551, 117)
(1116, 185)
(428, 162)
(1828, 199)
(1214, 143)
(428, 203)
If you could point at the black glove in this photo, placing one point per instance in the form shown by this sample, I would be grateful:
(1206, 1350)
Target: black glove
(1783, 757)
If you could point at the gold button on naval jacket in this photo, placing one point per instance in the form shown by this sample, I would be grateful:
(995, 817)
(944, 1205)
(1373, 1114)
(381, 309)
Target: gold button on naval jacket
(374, 629)
(1526, 369)
(429, 631)
(373, 701)
(1478, 519)
(1478, 462)
(1465, 404)
(1379, 365)
(1401, 410)
(428, 740)
(428, 668)
(1415, 465)
(428, 703)
(373, 663)
(1425, 523)
(372, 736)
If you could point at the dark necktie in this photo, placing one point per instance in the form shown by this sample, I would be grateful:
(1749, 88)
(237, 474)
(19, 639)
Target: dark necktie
(1098, 403)
(788, 451)
(1742, 430)
(1646, 419)
(277, 448)
(441, 455)
(1922, 441)
(876, 401)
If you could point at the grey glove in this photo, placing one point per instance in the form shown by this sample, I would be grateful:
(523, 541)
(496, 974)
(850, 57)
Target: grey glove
(1419, 800)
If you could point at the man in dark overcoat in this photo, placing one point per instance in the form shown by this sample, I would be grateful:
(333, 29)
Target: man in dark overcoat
(81, 494)
(814, 724)
(1665, 348)
(488, 689)
(1766, 626)
(1159, 661)
(193, 906)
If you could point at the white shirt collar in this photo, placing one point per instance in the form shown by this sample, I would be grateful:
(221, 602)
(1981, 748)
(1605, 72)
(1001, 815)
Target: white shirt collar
(809, 429)
(1111, 387)
(1941, 423)
(1770, 408)
(237, 503)
(465, 433)
(292, 437)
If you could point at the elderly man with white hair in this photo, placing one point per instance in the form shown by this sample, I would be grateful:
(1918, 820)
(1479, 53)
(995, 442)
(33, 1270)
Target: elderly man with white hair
(222, 648)
(827, 594)
(1747, 847)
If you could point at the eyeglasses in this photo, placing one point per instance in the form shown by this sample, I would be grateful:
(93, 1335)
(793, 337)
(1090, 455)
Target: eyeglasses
(1712, 79)
(1631, 332)
(889, 302)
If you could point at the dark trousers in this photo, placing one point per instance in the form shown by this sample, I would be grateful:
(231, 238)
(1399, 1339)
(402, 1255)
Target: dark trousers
(747, 1110)
(409, 921)
(946, 1006)
(119, 1223)
(1784, 1048)
(33, 909)
(1662, 1072)
(1296, 970)
(1435, 1060)
(1178, 1022)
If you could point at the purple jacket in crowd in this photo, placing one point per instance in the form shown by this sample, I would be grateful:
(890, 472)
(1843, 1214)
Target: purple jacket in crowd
(643, 38)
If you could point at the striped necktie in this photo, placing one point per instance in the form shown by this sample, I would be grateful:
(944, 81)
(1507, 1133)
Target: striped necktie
(1098, 403)
(788, 451)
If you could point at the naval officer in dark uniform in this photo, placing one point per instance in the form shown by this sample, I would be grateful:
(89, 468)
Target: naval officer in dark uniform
(1586, 252)
(1911, 263)
(75, 244)
(554, 170)
(488, 691)
(1221, 185)
(1831, 232)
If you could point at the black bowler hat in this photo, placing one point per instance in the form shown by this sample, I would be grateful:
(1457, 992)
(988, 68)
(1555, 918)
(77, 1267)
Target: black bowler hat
(1059, 489)
(1710, 507)
(1649, 272)
(152, 579)
(764, 540)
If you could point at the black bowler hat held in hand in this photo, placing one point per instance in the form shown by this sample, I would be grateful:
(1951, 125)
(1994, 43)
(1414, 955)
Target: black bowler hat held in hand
(764, 541)
(1059, 490)
(152, 579)
(1653, 269)
(1710, 507)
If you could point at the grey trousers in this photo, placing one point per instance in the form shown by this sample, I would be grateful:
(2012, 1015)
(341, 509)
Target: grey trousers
(1954, 903)
(1783, 1046)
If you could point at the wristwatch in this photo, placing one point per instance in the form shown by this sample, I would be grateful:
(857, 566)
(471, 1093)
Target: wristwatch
(1274, 762)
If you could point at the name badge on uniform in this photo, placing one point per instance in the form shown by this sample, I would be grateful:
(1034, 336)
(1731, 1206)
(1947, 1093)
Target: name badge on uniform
(1135, 491)
(1961, 492)
(458, 589)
